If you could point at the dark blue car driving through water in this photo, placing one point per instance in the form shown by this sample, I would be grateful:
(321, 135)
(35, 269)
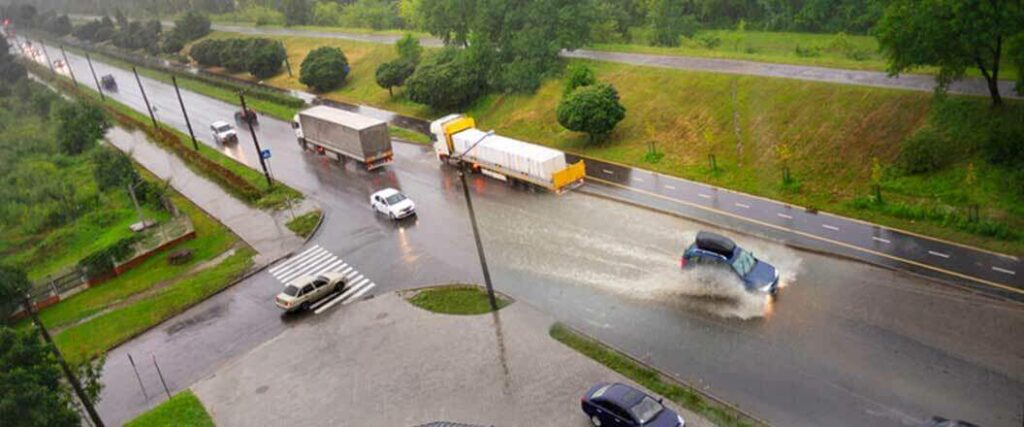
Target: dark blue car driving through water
(710, 249)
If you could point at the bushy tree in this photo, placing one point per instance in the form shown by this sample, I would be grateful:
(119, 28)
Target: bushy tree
(324, 69)
(668, 22)
(593, 109)
(80, 125)
(112, 169)
(951, 35)
(327, 13)
(446, 80)
(375, 14)
(59, 25)
(31, 389)
(394, 73)
(173, 43)
(578, 76)
(14, 285)
(208, 53)
(265, 58)
(296, 12)
(409, 49)
(192, 25)
(10, 71)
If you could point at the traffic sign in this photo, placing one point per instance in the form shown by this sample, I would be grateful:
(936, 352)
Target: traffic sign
(265, 154)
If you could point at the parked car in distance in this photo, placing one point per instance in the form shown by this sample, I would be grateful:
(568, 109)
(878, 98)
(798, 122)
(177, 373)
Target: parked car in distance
(392, 203)
(223, 132)
(108, 82)
(247, 116)
(616, 404)
(301, 293)
(710, 249)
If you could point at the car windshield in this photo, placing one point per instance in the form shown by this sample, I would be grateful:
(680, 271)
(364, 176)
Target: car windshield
(744, 262)
(395, 198)
(223, 128)
(646, 409)
(291, 290)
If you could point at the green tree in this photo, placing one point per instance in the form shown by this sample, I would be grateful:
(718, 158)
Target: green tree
(296, 12)
(14, 285)
(668, 22)
(265, 58)
(31, 388)
(409, 49)
(324, 69)
(953, 35)
(79, 126)
(192, 25)
(446, 80)
(593, 109)
(112, 169)
(375, 14)
(448, 19)
(579, 76)
(1016, 56)
(393, 73)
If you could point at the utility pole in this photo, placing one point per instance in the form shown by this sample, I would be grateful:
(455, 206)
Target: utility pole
(68, 64)
(47, 55)
(185, 113)
(472, 220)
(144, 98)
(97, 80)
(252, 131)
(72, 379)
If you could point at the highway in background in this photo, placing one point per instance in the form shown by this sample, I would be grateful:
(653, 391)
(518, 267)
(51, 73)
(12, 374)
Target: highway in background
(845, 344)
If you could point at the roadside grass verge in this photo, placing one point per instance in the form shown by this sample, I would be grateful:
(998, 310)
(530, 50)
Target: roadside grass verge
(304, 224)
(236, 178)
(685, 396)
(456, 299)
(212, 239)
(93, 338)
(827, 135)
(184, 409)
(408, 135)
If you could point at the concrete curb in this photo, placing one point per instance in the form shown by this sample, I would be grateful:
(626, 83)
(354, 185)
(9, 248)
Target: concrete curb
(663, 375)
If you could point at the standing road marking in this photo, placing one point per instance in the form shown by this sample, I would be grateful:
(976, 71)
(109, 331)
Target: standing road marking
(879, 239)
(741, 205)
(782, 215)
(830, 227)
(939, 254)
(1003, 270)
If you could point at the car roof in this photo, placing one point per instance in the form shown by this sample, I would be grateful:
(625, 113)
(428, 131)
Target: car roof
(623, 395)
(220, 123)
(715, 243)
(301, 281)
(387, 192)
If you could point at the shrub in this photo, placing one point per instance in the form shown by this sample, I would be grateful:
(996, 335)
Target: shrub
(709, 41)
(190, 26)
(409, 49)
(1005, 145)
(324, 69)
(172, 44)
(446, 80)
(208, 52)
(394, 73)
(578, 76)
(80, 126)
(807, 52)
(102, 261)
(924, 151)
(265, 58)
(375, 14)
(592, 109)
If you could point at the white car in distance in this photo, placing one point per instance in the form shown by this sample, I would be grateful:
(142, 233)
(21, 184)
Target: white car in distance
(223, 132)
(392, 203)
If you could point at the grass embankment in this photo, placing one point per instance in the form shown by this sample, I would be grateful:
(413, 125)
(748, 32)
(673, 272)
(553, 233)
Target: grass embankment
(685, 396)
(827, 135)
(184, 409)
(236, 178)
(304, 224)
(456, 299)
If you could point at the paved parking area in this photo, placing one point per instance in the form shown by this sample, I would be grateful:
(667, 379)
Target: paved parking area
(384, 362)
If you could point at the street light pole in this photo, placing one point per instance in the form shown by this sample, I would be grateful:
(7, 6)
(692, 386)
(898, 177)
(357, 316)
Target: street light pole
(68, 64)
(72, 379)
(145, 98)
(94, 78)
(252, 131)
(472, 221)
(47, 55)
(185, 113)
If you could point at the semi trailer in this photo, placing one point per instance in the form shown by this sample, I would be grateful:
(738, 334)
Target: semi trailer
(346, 134)
(459, 142)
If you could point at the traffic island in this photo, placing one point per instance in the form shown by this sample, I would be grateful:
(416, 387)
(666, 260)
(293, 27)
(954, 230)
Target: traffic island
(184, 409)
(458, 299)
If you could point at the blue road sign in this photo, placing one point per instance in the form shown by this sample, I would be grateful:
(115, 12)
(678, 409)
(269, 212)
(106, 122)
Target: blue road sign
(265, 154)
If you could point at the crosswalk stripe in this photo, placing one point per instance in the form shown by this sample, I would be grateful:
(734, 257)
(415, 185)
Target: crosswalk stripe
(352, 274)
(346, 270)
(293, 259)
(309, 269)
(359, 294)
(360, 283)
(348, 292)
(332, 267)
(304, 264)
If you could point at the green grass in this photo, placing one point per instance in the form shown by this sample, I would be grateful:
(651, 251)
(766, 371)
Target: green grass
(832, 133)
(304, 224)
(408, 135)
(182, 410)
(211, 240)
(686, 397)
(456, 299)
(103, 332)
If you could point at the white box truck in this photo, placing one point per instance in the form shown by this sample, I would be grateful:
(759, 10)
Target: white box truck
(346, 134)
(459, 141)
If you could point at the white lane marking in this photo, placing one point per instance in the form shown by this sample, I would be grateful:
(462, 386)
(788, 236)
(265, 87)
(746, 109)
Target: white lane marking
(938, 254)
(346, 270)
(353, 276)
(349, 292)
(333, 267)
(669, 187)
(293, 259)
(706, 196)
(782, 215)
(308, 269)
(360, 283)
(741, 205)
(607, 171)
(304, 263)
(879, 239)
(830, 227)
(638, 179)
(1003, 270)
(360, 293)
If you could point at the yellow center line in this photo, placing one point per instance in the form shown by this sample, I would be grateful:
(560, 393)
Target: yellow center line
(824, 239)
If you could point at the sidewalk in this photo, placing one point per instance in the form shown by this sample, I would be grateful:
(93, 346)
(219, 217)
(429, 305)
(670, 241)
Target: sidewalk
(384, 362)
(265, 232)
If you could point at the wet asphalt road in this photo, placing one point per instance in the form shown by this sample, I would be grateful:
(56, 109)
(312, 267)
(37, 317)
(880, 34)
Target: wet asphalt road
(845, 344)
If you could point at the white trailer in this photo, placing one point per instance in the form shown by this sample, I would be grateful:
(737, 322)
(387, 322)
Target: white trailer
(344, 133)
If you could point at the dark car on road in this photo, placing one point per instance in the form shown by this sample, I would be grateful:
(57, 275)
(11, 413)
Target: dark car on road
(710, 249)
(615, 405)
(247, 116)
(108, 82)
